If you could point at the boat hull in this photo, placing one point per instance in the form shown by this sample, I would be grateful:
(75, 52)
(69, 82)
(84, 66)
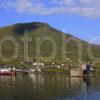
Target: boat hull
(6, 74)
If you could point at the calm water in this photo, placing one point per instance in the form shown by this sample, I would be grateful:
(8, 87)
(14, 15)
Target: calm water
(49, 87)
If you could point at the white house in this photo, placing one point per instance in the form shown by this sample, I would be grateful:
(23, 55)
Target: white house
(38, 64)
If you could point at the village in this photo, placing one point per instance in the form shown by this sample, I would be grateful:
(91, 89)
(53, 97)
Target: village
(28, 67)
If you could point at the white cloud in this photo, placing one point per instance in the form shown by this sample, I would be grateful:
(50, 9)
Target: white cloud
(88, 8)
(65, 2)
(93, 3)
(28, 6)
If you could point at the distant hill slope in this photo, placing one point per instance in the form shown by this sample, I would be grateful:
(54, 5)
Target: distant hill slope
(37, 30)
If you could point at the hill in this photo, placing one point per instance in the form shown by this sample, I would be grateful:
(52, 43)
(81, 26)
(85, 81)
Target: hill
(48, 40)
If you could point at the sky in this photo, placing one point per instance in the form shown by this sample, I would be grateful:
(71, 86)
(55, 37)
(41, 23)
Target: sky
(80, 18)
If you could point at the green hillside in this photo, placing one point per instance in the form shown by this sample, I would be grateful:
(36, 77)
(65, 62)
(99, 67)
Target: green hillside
(41, 31)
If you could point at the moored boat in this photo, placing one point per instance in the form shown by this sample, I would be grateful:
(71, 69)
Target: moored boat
(6, 71)
(23, 70)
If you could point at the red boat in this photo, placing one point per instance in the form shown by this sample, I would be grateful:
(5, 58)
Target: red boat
(6, 71)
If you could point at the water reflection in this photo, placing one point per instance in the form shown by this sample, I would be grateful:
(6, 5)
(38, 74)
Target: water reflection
(87, 81)
(48, 87)
(37, 78)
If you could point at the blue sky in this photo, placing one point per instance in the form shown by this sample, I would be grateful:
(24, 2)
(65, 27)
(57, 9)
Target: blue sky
(80, 18)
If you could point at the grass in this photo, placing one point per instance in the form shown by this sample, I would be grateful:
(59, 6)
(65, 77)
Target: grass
(55, 70)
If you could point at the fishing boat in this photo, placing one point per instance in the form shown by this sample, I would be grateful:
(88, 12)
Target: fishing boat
(23, 70)
(6, 71)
